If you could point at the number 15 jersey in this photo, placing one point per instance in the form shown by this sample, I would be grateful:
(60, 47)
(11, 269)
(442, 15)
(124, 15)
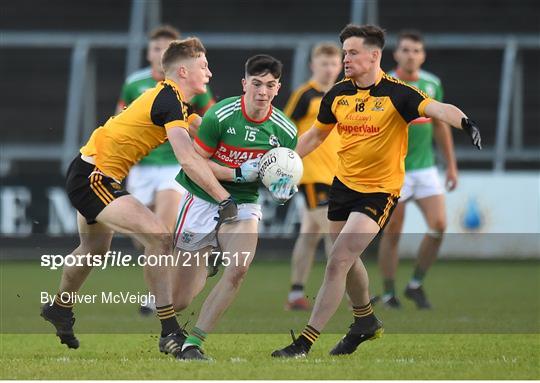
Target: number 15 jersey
(233, 138)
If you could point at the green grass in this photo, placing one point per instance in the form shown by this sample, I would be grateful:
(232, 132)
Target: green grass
(247, 357)
(485, 325)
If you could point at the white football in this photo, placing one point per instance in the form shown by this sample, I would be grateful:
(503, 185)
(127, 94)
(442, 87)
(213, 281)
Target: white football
(280, 162)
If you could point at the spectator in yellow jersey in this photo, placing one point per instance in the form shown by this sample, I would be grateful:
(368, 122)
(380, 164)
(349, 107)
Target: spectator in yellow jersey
(319, 169)
(371, 112)
(94, 187)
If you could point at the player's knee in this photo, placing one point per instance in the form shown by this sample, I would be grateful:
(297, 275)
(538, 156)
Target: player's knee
(97, 251)
(391, 237)
(437, 228)
(338, 266)
(181, 303)
(237, 275)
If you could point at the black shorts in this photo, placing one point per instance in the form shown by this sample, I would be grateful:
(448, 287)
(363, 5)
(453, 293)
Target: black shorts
(89, 190)
(316, 194)
(343, 201)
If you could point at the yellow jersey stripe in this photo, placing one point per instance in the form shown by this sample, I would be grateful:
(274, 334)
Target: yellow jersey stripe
(96, 190)
(104, 189)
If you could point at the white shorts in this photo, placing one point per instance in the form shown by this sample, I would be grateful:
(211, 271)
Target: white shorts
(144, 181)
(420, 184)
(197, 218)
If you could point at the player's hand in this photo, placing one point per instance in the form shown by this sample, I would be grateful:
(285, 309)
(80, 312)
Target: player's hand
(283, 190)
(472, 130)
(227, 211)
(248, 171)
(451, 178)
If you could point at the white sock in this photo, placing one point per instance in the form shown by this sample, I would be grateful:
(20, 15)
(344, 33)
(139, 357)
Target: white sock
(414, 284)
(295, 294)
(151, 304)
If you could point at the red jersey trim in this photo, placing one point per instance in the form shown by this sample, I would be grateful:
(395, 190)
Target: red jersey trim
(251, 120)
(204, 146)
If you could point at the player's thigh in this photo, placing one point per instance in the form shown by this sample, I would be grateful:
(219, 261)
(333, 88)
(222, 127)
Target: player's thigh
(127, 215)
(319, 215)
(395, 223)
(166, 206)
(356, 235)
(314, 221)
(238, 240)
(95, 238)
(335, 228)
(433, 209)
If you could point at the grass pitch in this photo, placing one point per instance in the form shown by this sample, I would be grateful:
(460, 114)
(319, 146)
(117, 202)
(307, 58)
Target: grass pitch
(485, 325)
(394, 356)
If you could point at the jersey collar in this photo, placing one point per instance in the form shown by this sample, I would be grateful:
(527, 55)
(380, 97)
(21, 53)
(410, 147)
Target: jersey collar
(244, 112)
(175, 86)
(377, 81)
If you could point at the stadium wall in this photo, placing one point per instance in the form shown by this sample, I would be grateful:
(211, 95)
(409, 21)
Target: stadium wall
(490, 215)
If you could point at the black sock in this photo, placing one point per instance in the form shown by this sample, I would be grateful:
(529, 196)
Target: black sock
(308, 337)
(63, 303)
(167, 317)
(297, 287)
(360, 312)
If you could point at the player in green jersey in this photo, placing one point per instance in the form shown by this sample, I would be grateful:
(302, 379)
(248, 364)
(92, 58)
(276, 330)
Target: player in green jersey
(421, 179)
(234, 133)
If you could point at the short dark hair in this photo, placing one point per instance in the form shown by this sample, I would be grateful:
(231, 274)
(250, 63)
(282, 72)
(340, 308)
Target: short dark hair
(410, 34)
(372, 34)
(260, 65)
(164, 32)
(178, 50)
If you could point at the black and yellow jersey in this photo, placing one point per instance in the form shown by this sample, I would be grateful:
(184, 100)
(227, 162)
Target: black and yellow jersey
(302, 107)
(126, 138)
(372, 123)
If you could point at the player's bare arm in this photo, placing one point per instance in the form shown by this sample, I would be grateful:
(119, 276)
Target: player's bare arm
(194, 121)
(453, 116)
(194, 165)
(445, 142)
(309, 141)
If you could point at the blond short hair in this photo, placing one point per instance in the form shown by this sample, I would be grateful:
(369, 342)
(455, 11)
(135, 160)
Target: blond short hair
(179, 50)
(164, 32)
(325, 48)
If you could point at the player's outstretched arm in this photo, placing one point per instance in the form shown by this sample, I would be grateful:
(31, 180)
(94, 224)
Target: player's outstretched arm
(310, 140)
(195, 166)
(455, 117)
